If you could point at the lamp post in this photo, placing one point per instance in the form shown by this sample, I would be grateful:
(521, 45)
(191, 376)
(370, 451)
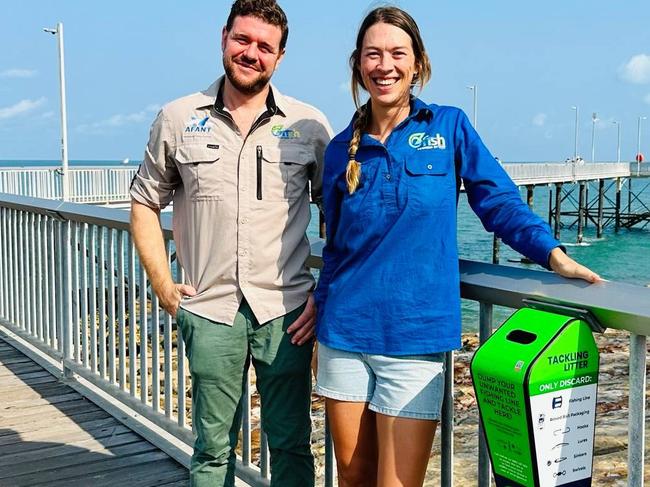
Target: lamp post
(638, 146)
(594, 119)
(474, 89)
(618, 138)
(58, 31)
(575, 146)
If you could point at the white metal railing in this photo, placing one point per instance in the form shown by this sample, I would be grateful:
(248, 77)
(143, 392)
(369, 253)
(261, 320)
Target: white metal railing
(72, 286)
(111, 184)
(87, 184)
(543, 173)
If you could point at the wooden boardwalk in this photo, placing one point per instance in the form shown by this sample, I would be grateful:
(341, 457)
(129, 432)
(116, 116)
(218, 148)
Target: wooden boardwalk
(52, 436)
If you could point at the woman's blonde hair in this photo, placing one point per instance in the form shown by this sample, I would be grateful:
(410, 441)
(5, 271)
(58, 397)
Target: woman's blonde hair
(399, 18)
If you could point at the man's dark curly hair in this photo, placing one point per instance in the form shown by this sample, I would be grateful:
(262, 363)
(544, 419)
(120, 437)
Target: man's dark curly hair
(267, 10)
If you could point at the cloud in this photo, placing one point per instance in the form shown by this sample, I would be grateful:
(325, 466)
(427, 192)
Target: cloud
(540, 119)
(119, 120)
(20, 108)
(637, 69)
(18, 73)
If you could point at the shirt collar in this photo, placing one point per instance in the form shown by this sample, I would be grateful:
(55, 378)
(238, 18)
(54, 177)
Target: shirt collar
(419, 111)
(213, 96)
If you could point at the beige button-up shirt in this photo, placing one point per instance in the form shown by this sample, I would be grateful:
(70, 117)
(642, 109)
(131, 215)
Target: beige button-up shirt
(241, 202)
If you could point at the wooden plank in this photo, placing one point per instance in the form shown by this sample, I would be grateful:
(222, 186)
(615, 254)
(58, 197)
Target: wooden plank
(27, 403)
(34, 375)
(43, 390)
(151, 474)
(51, 450)
(78, 458)
(93, 464)
(60, 407)
(19, 369)
(64, 422)
(42, 414)
(17, 380)
(21, 359)
(33, 441)
(10, 355)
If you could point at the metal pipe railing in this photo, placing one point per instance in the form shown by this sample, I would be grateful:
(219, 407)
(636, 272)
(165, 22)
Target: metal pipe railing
(111, 184)
(73, 287)
(86, 184)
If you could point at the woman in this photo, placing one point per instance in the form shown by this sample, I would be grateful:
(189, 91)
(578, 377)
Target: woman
(388, 297)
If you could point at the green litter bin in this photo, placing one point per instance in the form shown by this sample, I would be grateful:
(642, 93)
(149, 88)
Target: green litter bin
(536, 380)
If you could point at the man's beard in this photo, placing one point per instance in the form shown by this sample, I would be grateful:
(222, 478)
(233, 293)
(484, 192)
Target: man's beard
(247, 87)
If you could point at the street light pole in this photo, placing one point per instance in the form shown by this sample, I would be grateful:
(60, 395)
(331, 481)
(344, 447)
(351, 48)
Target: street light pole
(575, 147)
(474, 88)
(58, 31)
(618, 145)
(594, 119)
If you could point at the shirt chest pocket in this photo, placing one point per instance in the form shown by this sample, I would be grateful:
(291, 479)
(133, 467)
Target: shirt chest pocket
(430, 182)
(284, 172)
(201, 167)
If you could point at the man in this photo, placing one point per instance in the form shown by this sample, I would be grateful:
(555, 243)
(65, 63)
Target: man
(237, 160)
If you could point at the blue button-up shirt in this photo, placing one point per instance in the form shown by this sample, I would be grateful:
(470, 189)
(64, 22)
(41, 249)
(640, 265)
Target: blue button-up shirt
(390, 279)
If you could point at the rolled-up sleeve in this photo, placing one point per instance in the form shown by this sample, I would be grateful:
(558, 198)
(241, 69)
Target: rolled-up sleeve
(496, 200)
(157, 177)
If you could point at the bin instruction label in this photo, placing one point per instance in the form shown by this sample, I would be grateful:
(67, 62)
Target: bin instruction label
(563, 425)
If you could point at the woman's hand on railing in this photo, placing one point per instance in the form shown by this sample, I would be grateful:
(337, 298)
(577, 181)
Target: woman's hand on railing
(565, 266)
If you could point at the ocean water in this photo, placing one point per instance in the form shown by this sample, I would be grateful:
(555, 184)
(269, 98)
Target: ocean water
(622, 256)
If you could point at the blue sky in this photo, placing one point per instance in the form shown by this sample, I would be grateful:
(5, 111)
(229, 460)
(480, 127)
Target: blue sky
(532, 61)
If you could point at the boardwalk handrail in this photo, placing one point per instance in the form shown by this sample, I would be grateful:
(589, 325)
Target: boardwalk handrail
(87, 184)
(109, 184)
(72, 286)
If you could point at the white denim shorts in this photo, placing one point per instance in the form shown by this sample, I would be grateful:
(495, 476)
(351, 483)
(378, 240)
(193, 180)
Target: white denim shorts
(409, 386)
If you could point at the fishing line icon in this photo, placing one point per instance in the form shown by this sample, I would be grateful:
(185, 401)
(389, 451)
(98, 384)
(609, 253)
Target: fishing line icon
(561, 431)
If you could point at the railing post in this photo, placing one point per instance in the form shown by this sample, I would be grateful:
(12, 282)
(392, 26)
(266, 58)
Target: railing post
(485, 330)
(617, 215)
(558, 211)
(601, 199)
(447, 432)
(636, 420)
(581, 212)
(66, 294)
(329, 455)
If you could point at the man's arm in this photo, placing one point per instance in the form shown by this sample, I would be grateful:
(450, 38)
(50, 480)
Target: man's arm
(149, 241)
(302, 330)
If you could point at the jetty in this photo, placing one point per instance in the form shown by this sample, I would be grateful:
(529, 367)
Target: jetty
(84, 342)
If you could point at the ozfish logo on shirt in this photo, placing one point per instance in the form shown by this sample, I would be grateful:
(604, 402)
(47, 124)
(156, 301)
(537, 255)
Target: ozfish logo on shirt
(422, 141)
(198, 125)
(282, 133)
